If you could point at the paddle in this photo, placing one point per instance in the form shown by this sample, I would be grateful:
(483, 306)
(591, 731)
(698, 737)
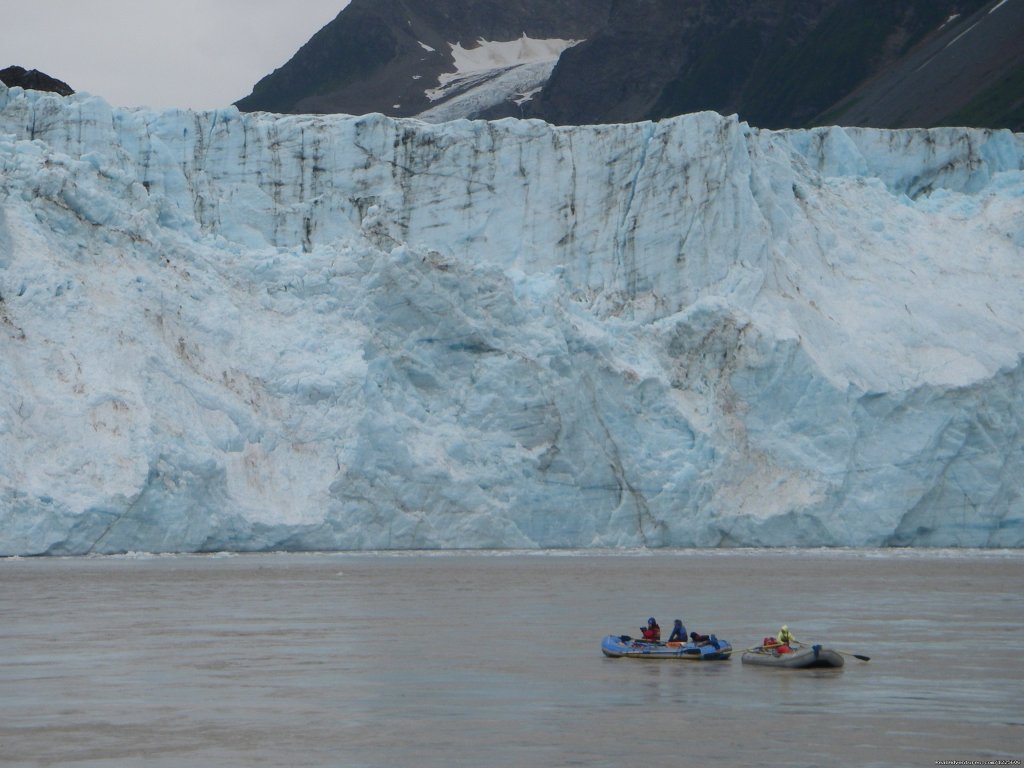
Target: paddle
(844, 653)
(855, 655)
(628, 639)
(764, 648)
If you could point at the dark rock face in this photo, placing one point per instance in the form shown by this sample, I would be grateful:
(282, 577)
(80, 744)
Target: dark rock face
(379, 53)
(776, 63)
(968, 72)
(33, 79)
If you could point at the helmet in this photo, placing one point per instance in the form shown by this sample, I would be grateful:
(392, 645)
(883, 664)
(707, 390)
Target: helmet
(651, 622)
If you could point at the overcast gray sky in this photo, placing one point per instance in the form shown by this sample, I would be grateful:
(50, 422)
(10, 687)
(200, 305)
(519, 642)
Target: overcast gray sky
(199, 54)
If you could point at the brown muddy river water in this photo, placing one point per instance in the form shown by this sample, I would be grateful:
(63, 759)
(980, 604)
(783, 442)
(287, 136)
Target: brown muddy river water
(493, 659)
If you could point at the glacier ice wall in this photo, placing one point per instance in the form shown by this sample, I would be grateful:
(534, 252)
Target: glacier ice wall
(248, 332)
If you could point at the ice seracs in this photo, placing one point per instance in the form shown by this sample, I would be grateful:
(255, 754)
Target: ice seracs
(243, 332)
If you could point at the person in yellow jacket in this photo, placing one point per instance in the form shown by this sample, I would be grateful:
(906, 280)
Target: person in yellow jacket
(785, 636)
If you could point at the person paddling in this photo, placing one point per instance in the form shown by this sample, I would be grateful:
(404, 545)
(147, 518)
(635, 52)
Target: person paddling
(781, 644)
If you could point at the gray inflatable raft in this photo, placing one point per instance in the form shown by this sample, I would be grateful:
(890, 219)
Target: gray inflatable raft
(803, 657)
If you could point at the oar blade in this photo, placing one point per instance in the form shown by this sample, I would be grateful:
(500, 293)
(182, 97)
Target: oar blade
(856, 655)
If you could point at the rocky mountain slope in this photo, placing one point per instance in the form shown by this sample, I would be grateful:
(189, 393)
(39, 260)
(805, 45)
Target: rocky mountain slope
(19, 77)
(383, 55)
(775, 63)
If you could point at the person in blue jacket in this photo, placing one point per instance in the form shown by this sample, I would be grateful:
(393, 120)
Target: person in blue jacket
(678, 632)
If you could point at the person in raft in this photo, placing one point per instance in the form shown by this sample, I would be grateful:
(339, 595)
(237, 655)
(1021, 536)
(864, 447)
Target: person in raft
(785, 636)
(678, 632)
(652, 632)
(781, 643)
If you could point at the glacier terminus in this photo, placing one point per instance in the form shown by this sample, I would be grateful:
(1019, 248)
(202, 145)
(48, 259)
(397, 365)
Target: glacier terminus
(250, 332)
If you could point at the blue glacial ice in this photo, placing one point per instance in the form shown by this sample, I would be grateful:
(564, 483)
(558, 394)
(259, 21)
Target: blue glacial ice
(225, 331)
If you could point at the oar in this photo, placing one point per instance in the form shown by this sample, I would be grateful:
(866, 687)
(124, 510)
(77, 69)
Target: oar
(770, 647)
(843, 652)
(855, 655)
(628, 639)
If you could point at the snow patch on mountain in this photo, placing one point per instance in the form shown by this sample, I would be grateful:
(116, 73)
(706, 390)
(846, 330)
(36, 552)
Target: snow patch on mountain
(488, 55)
(492, 72)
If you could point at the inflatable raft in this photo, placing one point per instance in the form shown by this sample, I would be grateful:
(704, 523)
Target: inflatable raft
(801, 657)
(623, 646)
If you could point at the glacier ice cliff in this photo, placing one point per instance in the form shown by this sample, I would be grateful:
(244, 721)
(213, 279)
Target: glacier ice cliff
(253, 332)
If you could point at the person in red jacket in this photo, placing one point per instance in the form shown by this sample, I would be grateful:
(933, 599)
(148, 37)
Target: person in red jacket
(652, 631)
